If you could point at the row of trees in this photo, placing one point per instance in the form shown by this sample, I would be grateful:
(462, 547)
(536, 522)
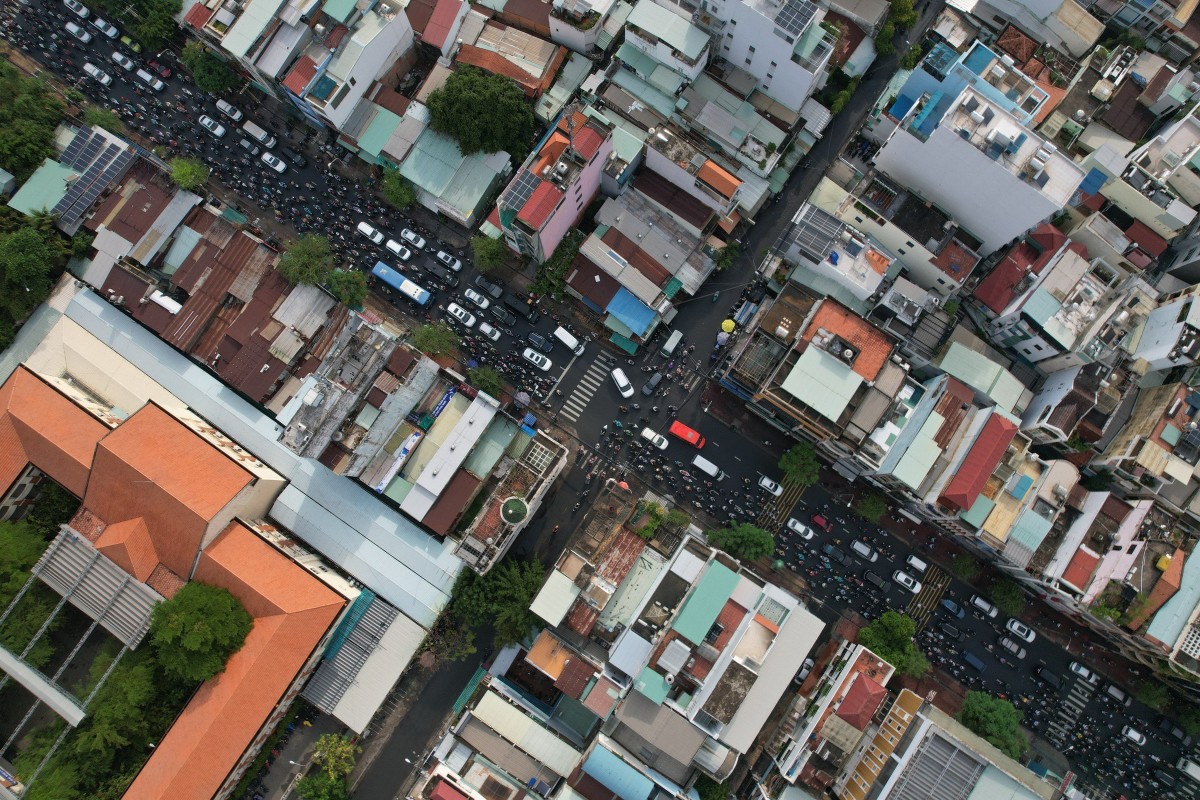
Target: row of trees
(335, 757)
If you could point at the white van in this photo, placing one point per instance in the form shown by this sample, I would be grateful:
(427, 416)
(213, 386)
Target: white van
(151, 81)
(259, 135)
(573, 344)
(369, 231)
(654, 438)
(673, 341)
(916, 563)
(707, 467)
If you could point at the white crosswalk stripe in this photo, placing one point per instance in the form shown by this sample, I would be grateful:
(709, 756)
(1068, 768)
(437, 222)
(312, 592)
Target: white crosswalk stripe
(588, 385)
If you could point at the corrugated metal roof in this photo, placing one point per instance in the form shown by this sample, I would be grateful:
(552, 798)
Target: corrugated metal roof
(522, 730)
(822, 383)
(305, 308)
(555, 598)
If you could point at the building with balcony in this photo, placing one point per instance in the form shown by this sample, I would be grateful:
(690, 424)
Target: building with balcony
(555, 185)
(1157, 450)
(948, 145)
(668, 39)
(1062, 24)
(580, 24)
(1171, 335)
(1127, 192)
(682, 163)
(1076, 402)
(1169, 28)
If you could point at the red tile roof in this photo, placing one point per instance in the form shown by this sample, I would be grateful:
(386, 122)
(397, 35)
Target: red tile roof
(1079, 572)
(980, 463)
(540, 205)
(198, 16)
(1146, 239)
(444, 791)
(997, 290)
(292, 611)
(300, 75)
(859, 705)
(441, 22)
(718, 179)
(128, 543)
(874, 346)
(955, 261)
(574, 677)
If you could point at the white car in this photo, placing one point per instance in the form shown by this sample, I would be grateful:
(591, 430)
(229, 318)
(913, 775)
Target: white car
(123, 61)
(655, 438)
(449, 260)
(412, 238)
(212, 126)
(461, 314)
(796, 526)
(1084, 672)
(78, 32)
(624, 387)
(1134, 735)
(274, 162)
(987, 608)
(229, 111)
(105, 27)
(97, 74)
(487, 330)
(400, 251)
(864, 551)
(368, 230)
(477, 298)
(1012, 647)
(536, 358)
(79, 9)
(1020, 630)
(907, 581)
(772, 488)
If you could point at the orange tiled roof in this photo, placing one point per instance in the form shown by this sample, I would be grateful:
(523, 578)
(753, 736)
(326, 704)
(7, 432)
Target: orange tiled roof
(874, 346)
(41, 426)
(718, 179)
(1079, 572)
(292, 612)
(497, 64)
(128, 543)
(1164, 589)
(154, 467)
(549, 655)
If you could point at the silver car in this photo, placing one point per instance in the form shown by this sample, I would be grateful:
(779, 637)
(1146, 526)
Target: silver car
(536, 358)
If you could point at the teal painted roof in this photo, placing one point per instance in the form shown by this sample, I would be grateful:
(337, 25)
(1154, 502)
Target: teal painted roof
(378, 131)
(641, 63)
(338, 9)
(1029, 530)
(984, 375)
(1041, 306)
(977, 514)
(822, 382)
(45, 187)
(671, 28)
(653, 685)
(1022, 486)
(662, 103)
(1172, 618)
(705, 602)
(918, 458)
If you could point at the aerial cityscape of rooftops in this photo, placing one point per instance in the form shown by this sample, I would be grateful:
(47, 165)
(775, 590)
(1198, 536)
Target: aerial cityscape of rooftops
(600, 399)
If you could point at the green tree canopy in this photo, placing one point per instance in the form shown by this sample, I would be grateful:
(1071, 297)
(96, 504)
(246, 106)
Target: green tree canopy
(501, 597)
(489, 254)
(435, 339)
(26, 258)
(871, 507)
(884, 44)
(1153, 693)
(727, 256)
(335, 755)
(103, 118)
(188, 173)
(743, 540)
(196, 631)
(911, 57)
(903, 13)
(800, 464)
(29, 114)
(308, 261)
(349, 287)
(996, 720)
(1008, 597)
(708, 789)
(486, 379)
(396, 189)
(891, 638)
(483, 113)
(321, 787)
(965, 566)
(208, 70)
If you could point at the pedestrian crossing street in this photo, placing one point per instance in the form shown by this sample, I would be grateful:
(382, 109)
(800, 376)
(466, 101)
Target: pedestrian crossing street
(1061, 730)
(775, 512)
(588, 385)
(924, 602)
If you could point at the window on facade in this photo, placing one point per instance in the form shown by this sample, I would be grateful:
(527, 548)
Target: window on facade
(748, 62)
(751, 50)
(773, 65)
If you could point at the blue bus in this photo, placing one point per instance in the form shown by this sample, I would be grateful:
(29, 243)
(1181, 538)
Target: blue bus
(396, 281)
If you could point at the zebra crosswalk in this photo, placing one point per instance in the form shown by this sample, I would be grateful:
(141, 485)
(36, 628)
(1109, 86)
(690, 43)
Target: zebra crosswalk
(1062, 728)
(924, 603)
(592, 380)
(775, 512)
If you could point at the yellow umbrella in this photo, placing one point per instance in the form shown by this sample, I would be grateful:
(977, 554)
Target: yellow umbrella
(728, 326)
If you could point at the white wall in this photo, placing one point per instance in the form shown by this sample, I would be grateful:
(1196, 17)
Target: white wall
(377, 56)
(749, 36)
(1057, 386)
(663, 53)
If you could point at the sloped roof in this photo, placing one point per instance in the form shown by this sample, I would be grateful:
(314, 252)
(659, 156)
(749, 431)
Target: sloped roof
(492, 62)
(540, 205)
(441, 22)
(998, 288)
(718, 178)
(300, 75)
(292, 612)
(1079, 572)
(980, 462)
(129, 544)
(574, 677)
(859, 705)
(1146, 239)
(1164, 589)
(874, 346)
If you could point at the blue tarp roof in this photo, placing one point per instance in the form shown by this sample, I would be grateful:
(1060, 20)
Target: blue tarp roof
(901, 106)
(631, 312)
(618, 777)
(1092, 183)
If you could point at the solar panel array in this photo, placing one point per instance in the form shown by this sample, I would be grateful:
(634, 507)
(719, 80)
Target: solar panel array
(101, 166)
(520, 192)
(795, 16)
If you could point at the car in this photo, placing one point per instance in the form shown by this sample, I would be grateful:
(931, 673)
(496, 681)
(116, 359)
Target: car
(1011, 646)
(654, 438)
(624, 387)
(1168, 726)
(491, 287)
(984, 606)
(502, 315)
(133, 46)
(461, 314)
(821, 522)
(543, 343)
(78, 32)
(77, 8)
(1047, 677)
(477, 298)
(1084, 672)
(368, 230)
(954, 608)
(398, 250)
(296, 159)
(536, 358)
(836, 553)
(121, 60)
(796, 526)
(771, 487)
(105, 27)
(951, 631)
(161, 69)
(249, 146)
(412, 238)
(274, 162)
(449, 260)
(650, 386)
(228, 110)
(97, 74)
(907, 581)
(864, 551)
(443, 275)
(875, 580)
(215, 128)
(1119, 694)
(150, 79)
(805, 669)
(1020, 630)
(488, 331)
(1165, 778)
(1134, 735)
